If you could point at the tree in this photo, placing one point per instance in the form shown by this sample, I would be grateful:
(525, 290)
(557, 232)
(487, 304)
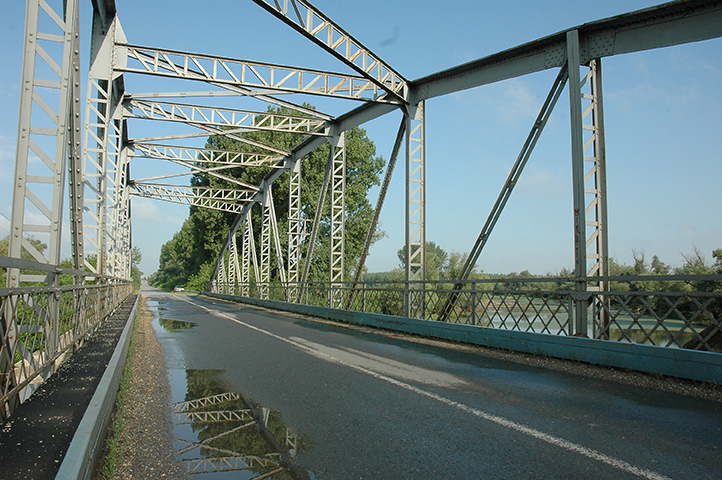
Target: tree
(135, 257)
(440, 265)
(202, 236)
(436, 260)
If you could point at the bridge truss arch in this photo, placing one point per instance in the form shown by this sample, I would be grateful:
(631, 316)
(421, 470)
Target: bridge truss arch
(100, 185)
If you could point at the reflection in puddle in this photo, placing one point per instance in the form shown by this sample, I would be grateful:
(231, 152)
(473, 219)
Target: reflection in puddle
(175, 325)
(234, 436)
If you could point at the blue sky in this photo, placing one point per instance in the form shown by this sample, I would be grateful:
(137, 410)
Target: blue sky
(661, 112)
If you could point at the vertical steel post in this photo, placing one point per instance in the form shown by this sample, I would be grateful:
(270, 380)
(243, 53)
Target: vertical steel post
(249, 251)
(50, 145)
(338, 220)
(580, 250)
(414, 304)
(294, 230)
(75, 161)
(596, 194)
(266, 244)
(45, 127)
(103, 139)
(233, 267)
(245, 256)
(222, 279)
(317, 220)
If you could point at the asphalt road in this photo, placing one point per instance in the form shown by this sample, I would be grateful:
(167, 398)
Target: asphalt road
(373, 406)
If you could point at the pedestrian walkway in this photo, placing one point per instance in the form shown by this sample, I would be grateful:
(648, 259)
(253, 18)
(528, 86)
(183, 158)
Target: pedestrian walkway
(35, 438)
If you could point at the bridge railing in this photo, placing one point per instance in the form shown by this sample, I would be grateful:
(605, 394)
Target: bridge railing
(39, 324)
(682, 311)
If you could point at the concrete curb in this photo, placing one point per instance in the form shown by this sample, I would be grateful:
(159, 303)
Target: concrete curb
(675, 362)
(83, 454)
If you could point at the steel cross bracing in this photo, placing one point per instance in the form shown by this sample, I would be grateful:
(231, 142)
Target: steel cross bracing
(262, 77)
(103, 167)
(506, 191)
(223, 199)
(192, 156)
(224, 117)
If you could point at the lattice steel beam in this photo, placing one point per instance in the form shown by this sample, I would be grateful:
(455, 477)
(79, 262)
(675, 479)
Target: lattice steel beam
(338, 219)
(595, 176)
(189, 155)
(46, 126)
(225, 117)
(320, 29)
(263, 289)
(233, 91)
(317, 218)
(232, 463)
(243, 73)
(295, 239)
(222, 199)
(415, 250)
(595, 179)
(102, 139)
(249, 253)
(205, 401)
(194, 168)
(222, 283)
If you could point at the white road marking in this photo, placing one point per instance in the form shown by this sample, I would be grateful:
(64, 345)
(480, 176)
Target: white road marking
(539, 435)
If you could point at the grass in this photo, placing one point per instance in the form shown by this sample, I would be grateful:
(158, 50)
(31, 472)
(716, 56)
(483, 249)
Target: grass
(114, 449)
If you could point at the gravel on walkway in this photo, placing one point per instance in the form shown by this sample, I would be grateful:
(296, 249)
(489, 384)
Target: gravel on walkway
(147, 438)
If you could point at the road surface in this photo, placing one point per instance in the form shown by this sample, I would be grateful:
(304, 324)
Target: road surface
(371, 405)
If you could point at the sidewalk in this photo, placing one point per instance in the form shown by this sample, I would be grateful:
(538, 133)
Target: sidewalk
(34, 440)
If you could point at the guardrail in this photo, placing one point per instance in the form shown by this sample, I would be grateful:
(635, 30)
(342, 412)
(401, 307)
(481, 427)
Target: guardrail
(682, 311)
(39, 324)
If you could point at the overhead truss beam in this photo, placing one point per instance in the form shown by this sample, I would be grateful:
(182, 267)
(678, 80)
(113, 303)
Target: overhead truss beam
(320, 29)
(206, 156)
(244, 73)
(222, 199)
(224, 117)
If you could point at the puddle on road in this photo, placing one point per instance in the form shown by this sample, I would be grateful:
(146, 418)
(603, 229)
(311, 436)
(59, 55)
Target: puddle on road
(175, 325)
(221, 434)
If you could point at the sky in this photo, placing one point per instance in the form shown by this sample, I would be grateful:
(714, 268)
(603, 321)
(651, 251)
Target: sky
(664, 166)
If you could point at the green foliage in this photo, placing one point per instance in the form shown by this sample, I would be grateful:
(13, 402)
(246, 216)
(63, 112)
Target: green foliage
(135, 258)
(25, 255)
(440, 265)
(199, 281)
(114, 448)
(204, 232)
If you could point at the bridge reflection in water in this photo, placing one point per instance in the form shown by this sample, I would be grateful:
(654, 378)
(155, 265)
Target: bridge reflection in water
(220, 433)
(219, 430)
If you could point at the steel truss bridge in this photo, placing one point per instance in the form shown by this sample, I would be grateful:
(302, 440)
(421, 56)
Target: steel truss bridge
(87, 167)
